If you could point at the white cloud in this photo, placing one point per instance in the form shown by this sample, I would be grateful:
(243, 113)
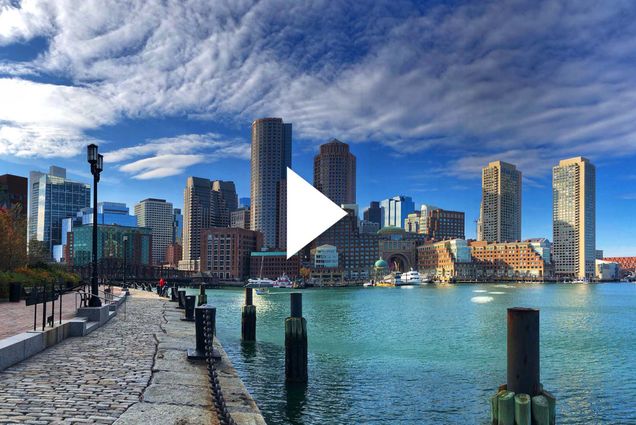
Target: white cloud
(169, 156)
(521, 80)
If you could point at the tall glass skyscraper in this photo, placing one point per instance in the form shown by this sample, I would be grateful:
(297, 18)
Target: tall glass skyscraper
(54, 198)
(395, 210)
(271, 155)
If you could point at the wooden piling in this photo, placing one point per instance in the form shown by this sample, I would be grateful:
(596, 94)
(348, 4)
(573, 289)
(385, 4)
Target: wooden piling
(522, 410)
(296, 342)
(523, 351)
(248, 318)
(506, 408)
(540, 410)
(203, 298)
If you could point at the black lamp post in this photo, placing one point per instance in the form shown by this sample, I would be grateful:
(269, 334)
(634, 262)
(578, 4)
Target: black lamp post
(97, 165)
(125, 239)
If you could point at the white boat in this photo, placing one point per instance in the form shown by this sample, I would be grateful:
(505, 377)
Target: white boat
(283, 282)
(368, 284)
(260, 283)
(262, 291)
(411, 277)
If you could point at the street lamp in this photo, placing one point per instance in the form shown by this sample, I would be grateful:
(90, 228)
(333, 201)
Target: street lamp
(125, 239)
(97, 165)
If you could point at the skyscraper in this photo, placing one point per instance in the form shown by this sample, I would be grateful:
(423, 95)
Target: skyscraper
(271, 155)
(203, 207)
(228, 194)
(574, 218)
(335, 172)
(500, 211)
(395, 210)
(177, 226)
(158, 215)
(54, 198)
(373, 213)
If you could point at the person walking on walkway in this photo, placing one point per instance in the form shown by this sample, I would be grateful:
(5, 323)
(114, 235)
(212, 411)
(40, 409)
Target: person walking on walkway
(162, 287)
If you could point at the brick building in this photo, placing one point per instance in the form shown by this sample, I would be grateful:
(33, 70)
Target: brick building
(225, 251)
(273, 264)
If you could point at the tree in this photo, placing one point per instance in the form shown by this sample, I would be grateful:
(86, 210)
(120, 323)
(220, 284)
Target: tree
(39, 252)
(12, 238)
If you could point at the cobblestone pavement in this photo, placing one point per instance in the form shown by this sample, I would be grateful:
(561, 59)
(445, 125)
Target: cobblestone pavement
(93, 379)
(16, 318)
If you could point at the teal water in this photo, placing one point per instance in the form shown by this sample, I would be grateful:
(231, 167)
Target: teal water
(435, 354)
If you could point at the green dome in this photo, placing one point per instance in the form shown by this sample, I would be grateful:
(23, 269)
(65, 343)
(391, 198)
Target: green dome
(381, 264)
(391, 230)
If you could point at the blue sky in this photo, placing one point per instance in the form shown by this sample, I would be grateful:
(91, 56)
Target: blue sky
(426, 93)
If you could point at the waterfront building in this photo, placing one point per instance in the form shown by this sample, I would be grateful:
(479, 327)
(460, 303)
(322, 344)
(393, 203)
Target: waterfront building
(54, 198)
(395, 210)
(373, 213)
(543, 248)
(412, 222)
(244, 203)
(443, 224)
(599, 254)
(240, 218)
(203, 207)
(500, 212)
(425, 210)
(14, 193)
(177, 226)
(226, 251)
(574, 218)
(173, 254)
(335, 172)
(158, 215)
(114, 213)
(445, 261)
(270, 157)
(114, 242)
(366, 226)
(325, 256)
(273, 264)
(357, 251)
(606, 270)
(399, 248)
(508, 261)
(626, 264)
(108, 213)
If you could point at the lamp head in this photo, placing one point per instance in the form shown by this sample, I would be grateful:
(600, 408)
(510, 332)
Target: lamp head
(91, 151)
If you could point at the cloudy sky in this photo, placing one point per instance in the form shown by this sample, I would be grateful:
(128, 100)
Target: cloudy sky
(425, 92)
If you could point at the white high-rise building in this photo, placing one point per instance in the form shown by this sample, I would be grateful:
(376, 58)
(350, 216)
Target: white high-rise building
(500, 212)
(574, 218)
(158, 215)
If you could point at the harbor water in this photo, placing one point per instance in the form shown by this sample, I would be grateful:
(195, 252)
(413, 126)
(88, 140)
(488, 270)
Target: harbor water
(419, 355)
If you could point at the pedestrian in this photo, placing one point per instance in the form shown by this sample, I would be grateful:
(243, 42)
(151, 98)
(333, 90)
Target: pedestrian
(162, 287)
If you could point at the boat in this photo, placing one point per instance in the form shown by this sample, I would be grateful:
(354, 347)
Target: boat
(283, 282)
(260, 282)
(411, 277)
(262, 291)
(368, 284)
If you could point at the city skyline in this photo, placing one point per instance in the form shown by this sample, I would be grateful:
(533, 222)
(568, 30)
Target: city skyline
(436, 115)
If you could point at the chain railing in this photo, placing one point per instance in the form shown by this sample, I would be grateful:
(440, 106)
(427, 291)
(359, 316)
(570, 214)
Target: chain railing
(219, 402)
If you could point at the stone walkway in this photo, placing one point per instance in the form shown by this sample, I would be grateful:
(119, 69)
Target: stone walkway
(98, 378)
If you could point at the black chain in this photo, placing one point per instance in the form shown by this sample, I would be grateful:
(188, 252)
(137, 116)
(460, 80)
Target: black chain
(219, 402)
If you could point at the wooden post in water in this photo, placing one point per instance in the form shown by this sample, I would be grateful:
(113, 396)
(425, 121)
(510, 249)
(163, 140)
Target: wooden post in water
(523, 351)
(248, 317)
(296, 341)
(522, 400)
(203, 298)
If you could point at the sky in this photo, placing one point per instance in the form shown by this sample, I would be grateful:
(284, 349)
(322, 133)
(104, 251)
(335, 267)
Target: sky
(426, 93)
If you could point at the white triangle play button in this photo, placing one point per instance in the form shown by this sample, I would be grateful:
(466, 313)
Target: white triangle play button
(309, 213)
